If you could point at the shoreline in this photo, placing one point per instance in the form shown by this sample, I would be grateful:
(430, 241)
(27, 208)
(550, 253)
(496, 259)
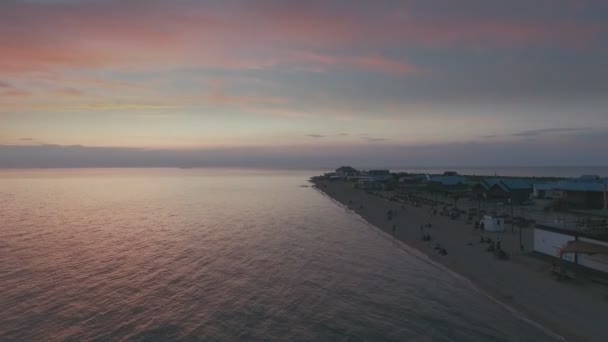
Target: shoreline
(522, 285)
(431, 260)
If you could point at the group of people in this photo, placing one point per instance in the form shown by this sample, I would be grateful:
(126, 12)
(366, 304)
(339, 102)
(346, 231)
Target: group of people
(351, 203)
(494, 246)
(441, 250)
(390, 214)
(425, 236)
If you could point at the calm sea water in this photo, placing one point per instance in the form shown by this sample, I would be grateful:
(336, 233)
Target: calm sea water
(155, 255)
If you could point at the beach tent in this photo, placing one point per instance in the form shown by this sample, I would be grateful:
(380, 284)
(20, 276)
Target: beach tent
(493, 223)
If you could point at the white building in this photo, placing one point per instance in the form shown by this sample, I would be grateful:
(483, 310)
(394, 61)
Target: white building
(493, 223)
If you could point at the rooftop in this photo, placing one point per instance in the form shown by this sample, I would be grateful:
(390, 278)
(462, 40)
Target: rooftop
(448, 180)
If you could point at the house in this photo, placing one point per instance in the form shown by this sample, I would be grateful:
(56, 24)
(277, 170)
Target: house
(582, 194)
(515, 190)
(379, 175)
(481, 189)
(448, 180)
(545, 190)
(347, 171)
(450, 183)
(587, 179)
(332, 176)
(412, 179)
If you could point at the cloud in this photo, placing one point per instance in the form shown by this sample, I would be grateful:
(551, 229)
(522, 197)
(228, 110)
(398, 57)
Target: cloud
(219, 96)
(69, 92)
(539, 132)
(375, 139)
(315, 135)
(9, 91)
(32, 141)
(364, 62)
(543, 132)
(59, 94)
(115, 34)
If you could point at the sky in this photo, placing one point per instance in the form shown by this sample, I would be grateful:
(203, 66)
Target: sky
(303, 83)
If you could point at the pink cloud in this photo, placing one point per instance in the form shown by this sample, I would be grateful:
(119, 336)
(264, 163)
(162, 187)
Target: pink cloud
(368, 62)
(14, 93)
(40, 37)
(9, 91)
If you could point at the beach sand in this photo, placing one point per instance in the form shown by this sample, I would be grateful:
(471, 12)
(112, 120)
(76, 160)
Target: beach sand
(576, 310)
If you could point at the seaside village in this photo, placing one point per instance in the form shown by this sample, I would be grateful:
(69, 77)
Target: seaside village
(562, 222)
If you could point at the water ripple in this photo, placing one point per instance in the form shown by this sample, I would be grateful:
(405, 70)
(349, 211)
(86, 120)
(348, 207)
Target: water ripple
(148, 258)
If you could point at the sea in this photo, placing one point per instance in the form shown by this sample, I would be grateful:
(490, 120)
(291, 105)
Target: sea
(219, 255)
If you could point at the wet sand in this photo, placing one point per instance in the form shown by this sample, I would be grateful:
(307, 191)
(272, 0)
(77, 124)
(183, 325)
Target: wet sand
(577, 311)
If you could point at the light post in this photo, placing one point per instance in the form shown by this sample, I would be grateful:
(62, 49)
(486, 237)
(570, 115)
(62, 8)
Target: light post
(512, 226)
(605, 196)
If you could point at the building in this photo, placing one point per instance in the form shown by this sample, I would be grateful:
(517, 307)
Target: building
(587, 179)
(546, 190)
(412, 179)
(379, 175)
(581, 194)
(481, 189)
(493, 223)
(573, 246)
(448, 180)
(515, 190)
(447, 183)
(347, 171)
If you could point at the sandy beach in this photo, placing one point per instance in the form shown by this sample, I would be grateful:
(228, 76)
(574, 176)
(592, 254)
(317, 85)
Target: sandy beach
(575, 310)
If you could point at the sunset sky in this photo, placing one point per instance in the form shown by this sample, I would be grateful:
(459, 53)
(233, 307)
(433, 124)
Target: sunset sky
(429, 82)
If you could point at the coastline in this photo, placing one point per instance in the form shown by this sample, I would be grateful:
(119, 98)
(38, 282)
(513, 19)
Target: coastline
(521, 284)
